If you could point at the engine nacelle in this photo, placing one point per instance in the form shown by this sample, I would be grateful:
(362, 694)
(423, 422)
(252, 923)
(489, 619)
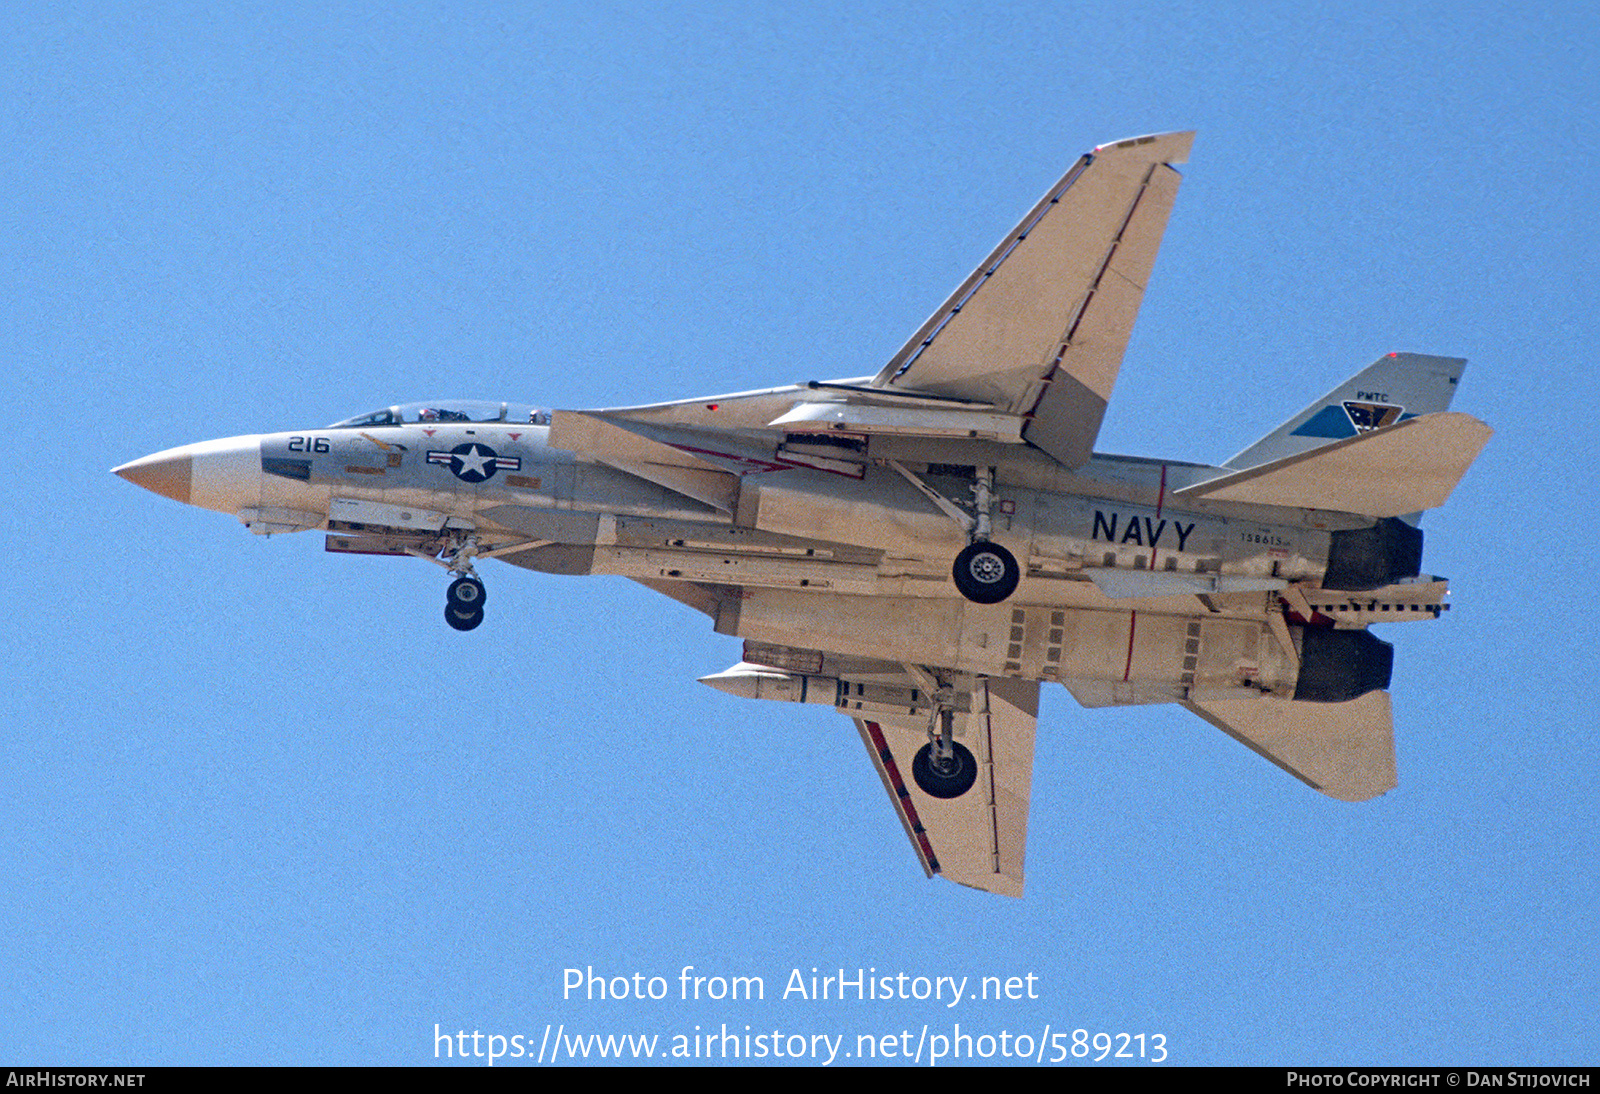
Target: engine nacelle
(1369, 558)
(1337, 665)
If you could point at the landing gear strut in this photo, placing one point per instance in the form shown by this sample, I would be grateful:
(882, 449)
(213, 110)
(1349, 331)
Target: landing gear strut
(985, 572)
(463, 607)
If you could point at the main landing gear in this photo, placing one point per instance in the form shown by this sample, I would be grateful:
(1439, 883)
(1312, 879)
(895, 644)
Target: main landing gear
(943, 768)
(984, 571)
(949, 778)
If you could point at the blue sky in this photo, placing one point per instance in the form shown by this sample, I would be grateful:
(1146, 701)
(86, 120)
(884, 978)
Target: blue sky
(262, 806)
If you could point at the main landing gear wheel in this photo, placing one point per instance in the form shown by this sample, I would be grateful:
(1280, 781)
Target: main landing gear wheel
(986, 573)
(467, 593)
(950, 779)
(463, 619)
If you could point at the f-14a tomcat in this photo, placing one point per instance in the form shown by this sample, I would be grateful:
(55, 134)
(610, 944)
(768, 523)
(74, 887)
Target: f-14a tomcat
(920, 548)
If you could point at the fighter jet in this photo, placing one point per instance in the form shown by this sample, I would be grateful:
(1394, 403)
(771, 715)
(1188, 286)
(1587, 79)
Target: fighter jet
(921, 548)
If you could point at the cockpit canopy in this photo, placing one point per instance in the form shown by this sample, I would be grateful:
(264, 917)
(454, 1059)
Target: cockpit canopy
(449, 410)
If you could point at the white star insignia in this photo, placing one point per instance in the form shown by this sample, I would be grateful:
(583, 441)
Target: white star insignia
(474, 460)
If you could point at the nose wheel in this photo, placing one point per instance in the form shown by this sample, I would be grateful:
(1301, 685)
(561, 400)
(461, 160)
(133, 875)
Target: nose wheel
(463, 607)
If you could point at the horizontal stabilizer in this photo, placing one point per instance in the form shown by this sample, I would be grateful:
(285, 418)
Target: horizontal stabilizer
(1404, 468)
(1345, 750)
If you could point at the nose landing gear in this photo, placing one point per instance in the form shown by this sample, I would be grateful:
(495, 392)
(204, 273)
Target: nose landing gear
(463, 608)
(455, 550)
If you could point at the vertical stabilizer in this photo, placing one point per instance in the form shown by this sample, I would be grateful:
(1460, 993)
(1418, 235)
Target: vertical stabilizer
(1392, 389)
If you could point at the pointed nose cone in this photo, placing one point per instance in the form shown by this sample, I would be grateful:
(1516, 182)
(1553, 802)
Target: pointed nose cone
(166, 473)
(732, 682)
(223, 475)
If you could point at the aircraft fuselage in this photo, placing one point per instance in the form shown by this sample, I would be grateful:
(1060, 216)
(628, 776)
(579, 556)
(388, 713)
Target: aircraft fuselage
(1125, 595)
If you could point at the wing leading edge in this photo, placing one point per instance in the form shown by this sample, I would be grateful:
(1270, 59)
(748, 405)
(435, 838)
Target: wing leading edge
(1040, 327)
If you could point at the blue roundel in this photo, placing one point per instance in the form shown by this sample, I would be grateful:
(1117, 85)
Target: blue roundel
(473, 462)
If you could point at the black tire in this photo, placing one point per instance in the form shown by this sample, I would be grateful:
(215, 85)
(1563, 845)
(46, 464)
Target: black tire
(461, 619)
(951, 782)
(467, 594)
(986, 573)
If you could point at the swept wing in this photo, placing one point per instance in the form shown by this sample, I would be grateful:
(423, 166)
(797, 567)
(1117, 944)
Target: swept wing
(978, 839)
(1039, 328)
